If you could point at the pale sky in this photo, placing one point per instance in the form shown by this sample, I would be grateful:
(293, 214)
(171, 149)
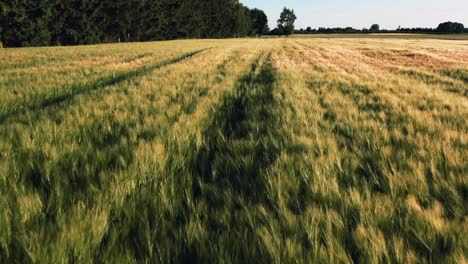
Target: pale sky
(389, 14)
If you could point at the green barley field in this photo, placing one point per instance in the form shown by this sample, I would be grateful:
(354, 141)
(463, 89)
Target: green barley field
(279, 150)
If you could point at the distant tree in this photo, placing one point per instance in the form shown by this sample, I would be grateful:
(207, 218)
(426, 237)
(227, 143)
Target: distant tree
(349, 30)
(374, 28)
(259, 21)
(277, 31)
(450, 27)
(309, 29)
(286, 21)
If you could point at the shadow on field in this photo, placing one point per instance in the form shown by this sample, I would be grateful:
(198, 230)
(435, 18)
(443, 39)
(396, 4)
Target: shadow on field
(242, 140)
(229, 170)
(205, 214)
(58, 95)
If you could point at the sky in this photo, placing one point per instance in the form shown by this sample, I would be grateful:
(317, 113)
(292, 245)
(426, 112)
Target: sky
(389, 14)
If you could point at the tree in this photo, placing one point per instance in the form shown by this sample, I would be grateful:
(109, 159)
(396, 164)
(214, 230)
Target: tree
(450, 27)
(374, 28)
(190, 24)
(25, 22)
(81, 23)
(286, 21)
(72, 22)
(259, 21)
(277, 31)
(243, 22)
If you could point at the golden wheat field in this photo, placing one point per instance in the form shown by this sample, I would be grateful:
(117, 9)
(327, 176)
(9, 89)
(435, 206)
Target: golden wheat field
(289, 150)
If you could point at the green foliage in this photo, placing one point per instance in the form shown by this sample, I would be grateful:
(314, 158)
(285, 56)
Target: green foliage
(259, 21)
(450, 27)
(78, 22)
(69, 22)
(286, 22)
(243, 24)
(26, 23)
(374, 28)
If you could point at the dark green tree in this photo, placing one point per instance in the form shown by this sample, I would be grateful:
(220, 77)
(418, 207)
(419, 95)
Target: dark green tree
(259, 21)
(190, 17)
(79, 22)
(25, 22)
(286, 21)
(243, 22)
(374, 28)
(72, 22)
(450, 27)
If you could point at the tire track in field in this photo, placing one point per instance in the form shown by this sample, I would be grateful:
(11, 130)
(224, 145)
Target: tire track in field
(148, 199)
(228, 172)
(242, 138)
(50, 61)
(56, 96)
(106, 145)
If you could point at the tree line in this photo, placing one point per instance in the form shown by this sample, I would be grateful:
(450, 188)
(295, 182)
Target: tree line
(446, 27)
(76, 22)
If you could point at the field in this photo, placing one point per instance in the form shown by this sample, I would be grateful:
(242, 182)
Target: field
(462, 36)
(287, 150)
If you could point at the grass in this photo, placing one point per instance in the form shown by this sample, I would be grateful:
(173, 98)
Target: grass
(60, 94)
(265, 150)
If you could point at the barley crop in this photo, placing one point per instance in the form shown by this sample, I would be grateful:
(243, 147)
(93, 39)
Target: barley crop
(293, 150)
